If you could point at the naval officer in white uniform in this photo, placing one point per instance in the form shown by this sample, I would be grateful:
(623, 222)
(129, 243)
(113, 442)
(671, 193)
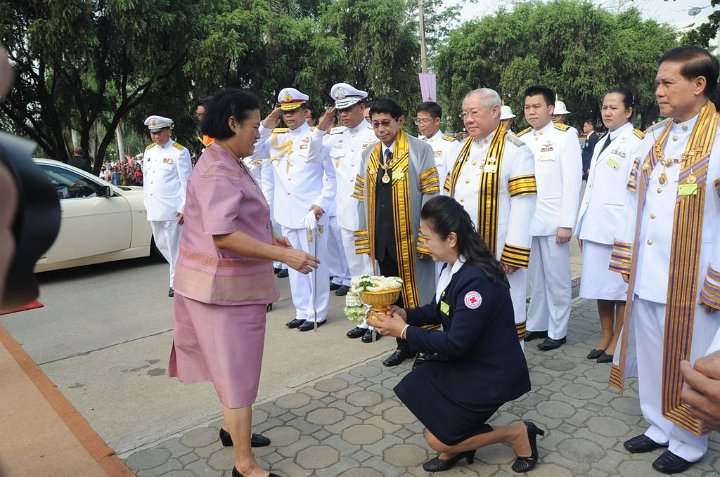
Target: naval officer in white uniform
(166, 168)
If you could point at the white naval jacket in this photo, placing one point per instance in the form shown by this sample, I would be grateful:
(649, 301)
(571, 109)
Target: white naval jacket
(515, 207)
(602, 208)
(166, 170)
(299, 180)
(446, 149)
(344, 147)
(558, 172)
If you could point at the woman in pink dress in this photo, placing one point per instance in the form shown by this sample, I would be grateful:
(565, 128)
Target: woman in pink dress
(224, 278)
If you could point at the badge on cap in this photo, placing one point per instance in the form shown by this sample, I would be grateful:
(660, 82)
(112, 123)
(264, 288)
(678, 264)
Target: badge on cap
(288, 97)
(473, 300)
(340, 93)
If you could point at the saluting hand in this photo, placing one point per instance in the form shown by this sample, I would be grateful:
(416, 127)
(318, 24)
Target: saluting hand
(327, 120)
(273, 119)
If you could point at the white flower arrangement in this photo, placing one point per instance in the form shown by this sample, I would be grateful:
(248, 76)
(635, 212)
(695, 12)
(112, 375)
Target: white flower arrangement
(355, 309)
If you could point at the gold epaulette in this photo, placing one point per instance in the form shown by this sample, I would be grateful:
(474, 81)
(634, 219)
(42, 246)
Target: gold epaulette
(657, 126)
(561, 127)
(281, 130)
(178, 146)
(639, 133)
(150, 146)
(510, 137)
(524, 131)
(338, 130)
(449, 137)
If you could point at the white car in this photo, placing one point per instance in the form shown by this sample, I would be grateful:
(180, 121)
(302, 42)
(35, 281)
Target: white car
(100, 222)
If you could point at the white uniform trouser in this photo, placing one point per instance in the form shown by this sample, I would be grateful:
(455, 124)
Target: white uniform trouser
(550, 287)
(337, 261)
(309, 303)
(277, 230)
(649, 325)
(167, 239)
(518, 294)
(357, 264)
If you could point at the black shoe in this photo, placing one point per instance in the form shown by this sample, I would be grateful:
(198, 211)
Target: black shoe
(282, 273)
(334, 286)
(641, 444)
(397, 357)
(525, 464)
(256, 440)
(342, 290)
(550, 343)
(533, 335)
(171, 292)
(595, 353)
(669, 463)
(436, 464)
(236, 473)
(605, 358)
(310, 325)
(268, 307)
(420, 358)
(368, 336)
(294, 323)
(356, 332)
(276, 270)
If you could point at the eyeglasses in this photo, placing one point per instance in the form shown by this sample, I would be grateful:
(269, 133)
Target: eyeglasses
(472, 114)
(384, 123)
(421, 121)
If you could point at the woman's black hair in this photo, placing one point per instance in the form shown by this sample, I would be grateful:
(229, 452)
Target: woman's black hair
(223, 104)
(445, 215)
(628, 97)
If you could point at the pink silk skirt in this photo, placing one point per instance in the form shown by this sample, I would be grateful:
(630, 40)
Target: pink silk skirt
(221, 344)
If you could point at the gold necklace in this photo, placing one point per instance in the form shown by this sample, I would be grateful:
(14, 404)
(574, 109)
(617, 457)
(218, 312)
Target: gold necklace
(386, 167)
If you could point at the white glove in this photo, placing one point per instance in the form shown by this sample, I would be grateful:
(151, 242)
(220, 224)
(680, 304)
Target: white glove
(309, 221)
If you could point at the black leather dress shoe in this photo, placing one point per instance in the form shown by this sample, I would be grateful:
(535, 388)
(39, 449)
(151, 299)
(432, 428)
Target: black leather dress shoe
(368, 336)
(641, 444)
(334, 286)
(397, 357)
(669, 463)
(605, 358)
(310, 325)
(342, 290)
(550, 343)
(595, 353)
(282, 273)
(533, 335)
(356, 332)
(236, 473)
(171, 292)
(294, 323)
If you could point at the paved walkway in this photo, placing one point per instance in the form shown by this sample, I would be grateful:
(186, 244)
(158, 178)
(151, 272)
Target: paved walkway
(352, 425)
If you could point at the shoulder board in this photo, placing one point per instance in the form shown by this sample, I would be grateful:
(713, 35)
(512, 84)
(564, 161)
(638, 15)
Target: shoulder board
(179, 146)
(312, 128)
(510, 137)
(338, 130)
(561, 127)
(448, 137)
(655, 126)
(524, 131)
(639, 133)
(281, 130)
(150, 146)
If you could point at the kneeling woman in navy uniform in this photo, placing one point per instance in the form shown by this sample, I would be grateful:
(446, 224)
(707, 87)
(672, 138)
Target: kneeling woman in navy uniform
(482, 365)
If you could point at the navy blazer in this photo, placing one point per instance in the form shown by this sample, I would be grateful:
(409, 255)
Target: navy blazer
(485, 362)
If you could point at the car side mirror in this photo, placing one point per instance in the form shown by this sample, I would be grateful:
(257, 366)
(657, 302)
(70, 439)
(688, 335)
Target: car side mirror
(106, 191)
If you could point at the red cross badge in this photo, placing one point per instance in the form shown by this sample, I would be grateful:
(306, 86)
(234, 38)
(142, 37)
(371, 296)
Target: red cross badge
(473, 300)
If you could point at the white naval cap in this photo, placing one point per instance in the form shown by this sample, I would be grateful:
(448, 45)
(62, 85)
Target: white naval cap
(291, 99)
(157, 123)
(345, 95)
(560, 109)
(506, 113)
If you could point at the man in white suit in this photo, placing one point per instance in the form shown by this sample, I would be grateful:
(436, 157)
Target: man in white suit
(166, 168)
(558, 172)
(300, 184)
(493, 179)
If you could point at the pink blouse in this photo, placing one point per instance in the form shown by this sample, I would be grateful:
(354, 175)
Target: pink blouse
(222, 197)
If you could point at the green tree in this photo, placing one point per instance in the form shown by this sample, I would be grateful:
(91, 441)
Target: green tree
(576, 48)
(705, 32)
(81, 63)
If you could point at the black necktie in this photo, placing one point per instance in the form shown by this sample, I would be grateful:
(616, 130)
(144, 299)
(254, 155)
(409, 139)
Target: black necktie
(388, 156)
(607, 143)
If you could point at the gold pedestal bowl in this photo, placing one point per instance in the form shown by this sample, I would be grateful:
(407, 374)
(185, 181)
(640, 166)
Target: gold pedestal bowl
(379, 301)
